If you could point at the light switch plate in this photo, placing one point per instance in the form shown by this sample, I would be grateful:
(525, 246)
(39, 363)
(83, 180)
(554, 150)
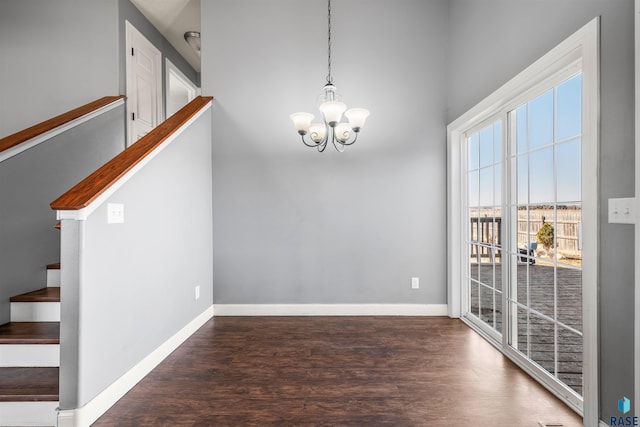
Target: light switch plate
(622, 211)
(115, 213)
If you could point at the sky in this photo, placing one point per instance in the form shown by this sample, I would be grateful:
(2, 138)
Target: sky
(547, 132)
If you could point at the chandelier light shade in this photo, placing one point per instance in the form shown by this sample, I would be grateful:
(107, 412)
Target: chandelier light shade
(332, 109)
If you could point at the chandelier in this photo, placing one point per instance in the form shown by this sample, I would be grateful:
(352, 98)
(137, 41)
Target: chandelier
(332, 108)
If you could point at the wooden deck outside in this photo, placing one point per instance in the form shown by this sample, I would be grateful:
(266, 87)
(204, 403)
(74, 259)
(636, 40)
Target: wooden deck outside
(536, 334)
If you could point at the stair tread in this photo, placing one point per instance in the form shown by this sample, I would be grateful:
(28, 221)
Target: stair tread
(48, 294)
(54, 266)
(30, 333)
(29, 384)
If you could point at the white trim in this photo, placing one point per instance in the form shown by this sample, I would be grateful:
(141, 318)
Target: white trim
(83, 214)
(171, 69)
(330, 309)
(29, 355)
(94, 409)
(636, 392)
(30, 143)
(584, 46)
(53, 277)
(35, 311)
(28, 413)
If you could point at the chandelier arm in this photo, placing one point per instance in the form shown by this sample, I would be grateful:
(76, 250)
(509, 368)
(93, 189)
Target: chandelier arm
(352, 142)
(313, 144)
(338, 145)
(322, 145)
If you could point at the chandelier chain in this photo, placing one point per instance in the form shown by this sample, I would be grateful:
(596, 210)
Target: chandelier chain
(329, 77)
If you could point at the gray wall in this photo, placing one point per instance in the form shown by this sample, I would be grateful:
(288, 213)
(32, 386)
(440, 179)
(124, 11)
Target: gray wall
(292, 225)
(493, 40)
(56, 55)
(133, 286)
(127, 11)
(60, 54)
(33, 179)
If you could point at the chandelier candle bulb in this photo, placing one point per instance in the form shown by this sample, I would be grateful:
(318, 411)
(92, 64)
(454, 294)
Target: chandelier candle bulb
(317, 132)
(343, 132)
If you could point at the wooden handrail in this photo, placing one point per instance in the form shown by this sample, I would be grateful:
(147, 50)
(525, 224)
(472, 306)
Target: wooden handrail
(88, 190)
(48, 125)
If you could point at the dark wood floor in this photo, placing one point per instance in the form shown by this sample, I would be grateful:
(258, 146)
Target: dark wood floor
(337, 371)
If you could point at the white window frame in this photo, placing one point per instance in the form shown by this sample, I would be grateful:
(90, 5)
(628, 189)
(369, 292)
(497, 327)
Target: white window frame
(637, 228)
(582, 47)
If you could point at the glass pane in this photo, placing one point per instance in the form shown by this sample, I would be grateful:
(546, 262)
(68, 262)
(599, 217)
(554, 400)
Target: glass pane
(569, 235)
(474, 303)
(521, 129)
(523, 226)
(522, 325)
(486, 146)
(542, 342)
(486, 186)
(473, 190)
(473, 261)
(522, 284)
(498, 306)
(497, 142)
(483, 265)
(486, 305)
(570, 297)
(569, 108)
(569, 157)
(570, 359)
(473, 151)
(523, 179)
(541, 188)
(497, 180)
(541, 120)
(474, 213)
(541, 288)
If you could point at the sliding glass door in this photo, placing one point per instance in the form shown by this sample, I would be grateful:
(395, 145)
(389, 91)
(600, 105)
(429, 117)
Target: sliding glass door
(523, 204)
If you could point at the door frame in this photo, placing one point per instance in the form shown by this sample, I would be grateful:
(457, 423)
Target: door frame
(172, 70)
(130, 31)
(637, 195)
(583, 45)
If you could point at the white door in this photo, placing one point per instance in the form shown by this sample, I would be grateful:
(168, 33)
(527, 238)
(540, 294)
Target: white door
(144, 85)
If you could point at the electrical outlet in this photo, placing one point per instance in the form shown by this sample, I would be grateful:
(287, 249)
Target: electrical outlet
(415, 283)
(115, 213)
(197, 292)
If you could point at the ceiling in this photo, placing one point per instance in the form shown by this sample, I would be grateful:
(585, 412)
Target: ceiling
(173, 18)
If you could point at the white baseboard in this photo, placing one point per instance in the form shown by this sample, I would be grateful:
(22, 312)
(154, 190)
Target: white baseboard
(330, 309)
(28, 413)
(89, 413)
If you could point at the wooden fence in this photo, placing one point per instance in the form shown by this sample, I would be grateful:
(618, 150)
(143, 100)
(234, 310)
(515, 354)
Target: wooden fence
(487, 230)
